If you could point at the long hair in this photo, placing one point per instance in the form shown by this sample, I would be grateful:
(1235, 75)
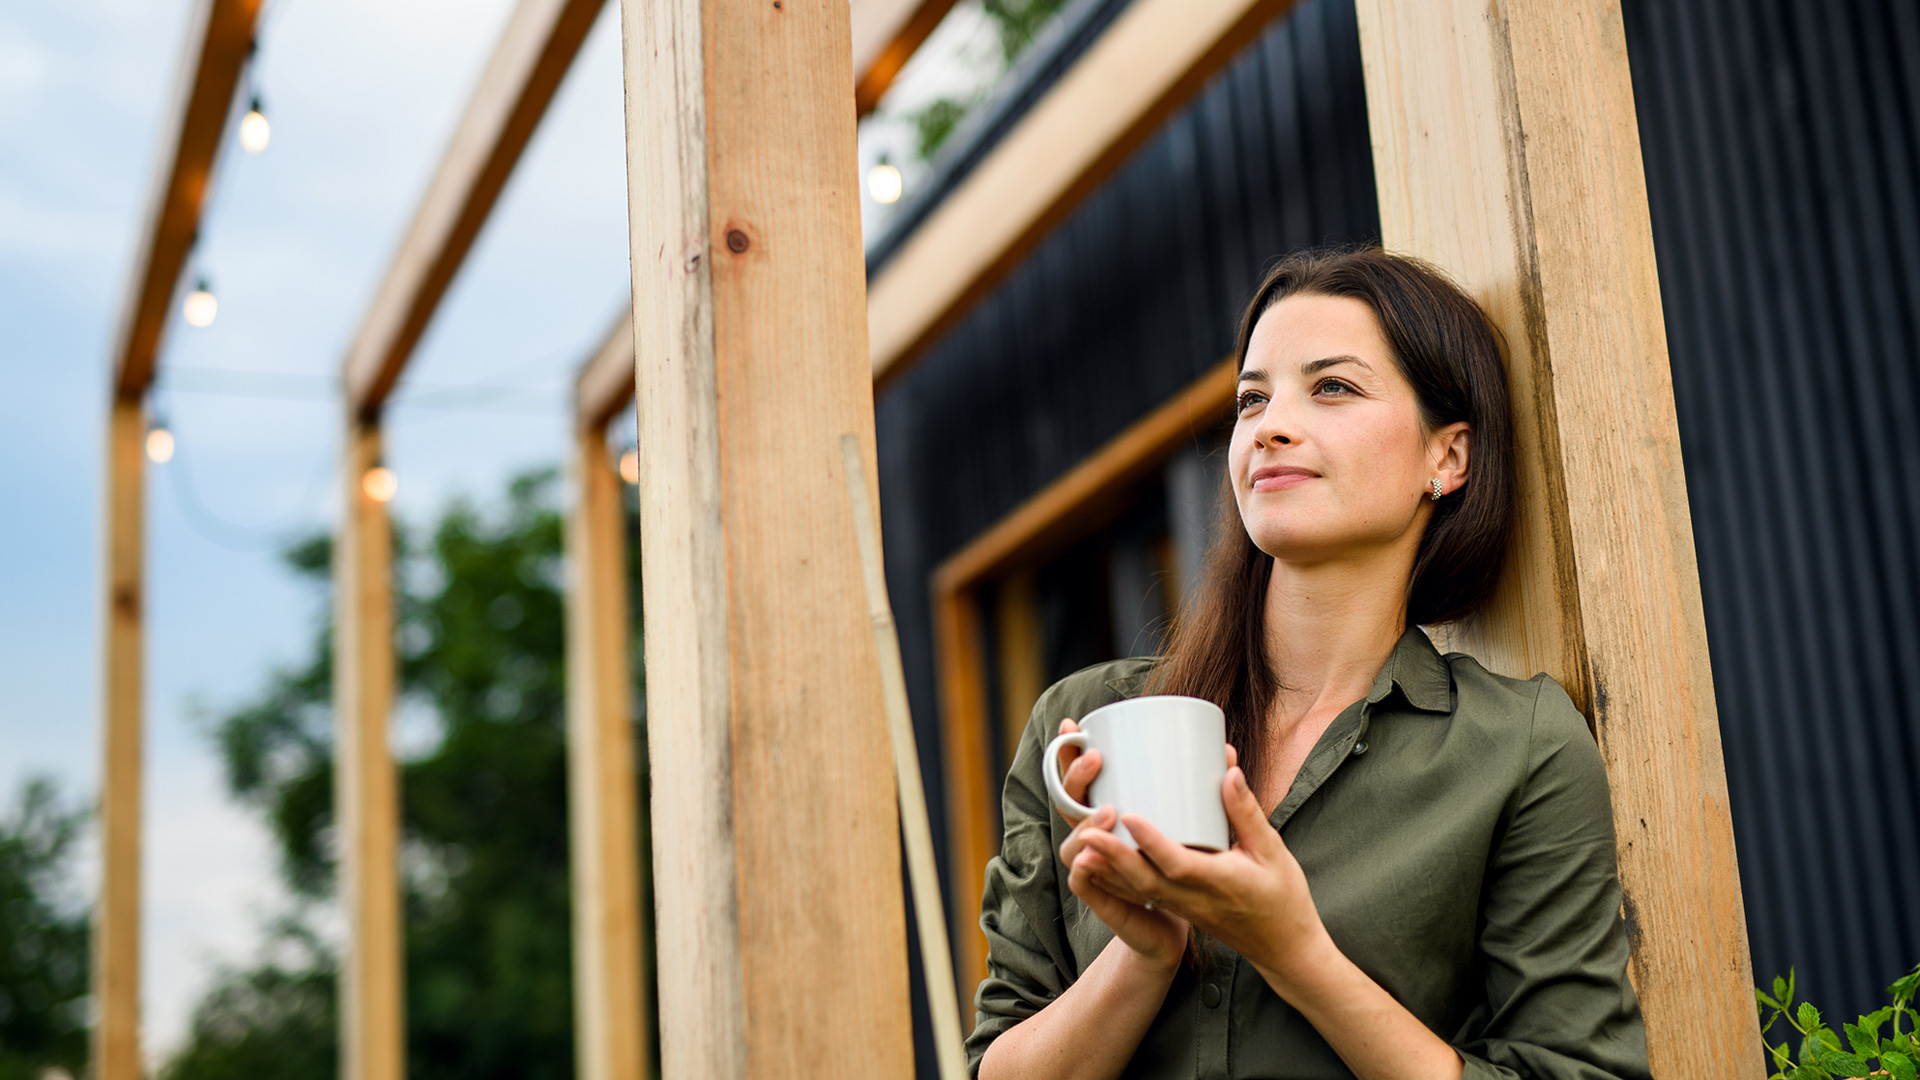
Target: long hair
(1448, 350)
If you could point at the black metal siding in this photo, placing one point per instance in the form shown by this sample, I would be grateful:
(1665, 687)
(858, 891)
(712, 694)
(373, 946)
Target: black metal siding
(1780, 141)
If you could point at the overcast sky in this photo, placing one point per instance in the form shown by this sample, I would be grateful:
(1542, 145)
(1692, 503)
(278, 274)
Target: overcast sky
(362, 95)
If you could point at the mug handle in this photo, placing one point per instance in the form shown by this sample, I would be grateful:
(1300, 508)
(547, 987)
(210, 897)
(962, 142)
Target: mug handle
(1050, 768)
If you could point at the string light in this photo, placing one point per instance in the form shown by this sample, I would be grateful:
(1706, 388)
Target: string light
(380, 484)
(201, 306)
(159, 443)
(884, 183)
(630, 467)
(254, 129)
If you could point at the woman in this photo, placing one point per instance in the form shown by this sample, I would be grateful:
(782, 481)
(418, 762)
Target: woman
(1423, 881)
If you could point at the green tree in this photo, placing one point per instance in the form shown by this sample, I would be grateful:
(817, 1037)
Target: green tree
(43, 939)
(1017, 23)
(483, 815)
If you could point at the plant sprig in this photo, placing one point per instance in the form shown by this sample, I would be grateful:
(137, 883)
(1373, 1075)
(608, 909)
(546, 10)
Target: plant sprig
(1822, 1057)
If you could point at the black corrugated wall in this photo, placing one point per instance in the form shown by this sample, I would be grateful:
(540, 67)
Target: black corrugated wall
(1780, 139)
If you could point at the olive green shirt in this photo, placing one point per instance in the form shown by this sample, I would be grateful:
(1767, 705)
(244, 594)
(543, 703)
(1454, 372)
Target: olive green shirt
(1457, 835)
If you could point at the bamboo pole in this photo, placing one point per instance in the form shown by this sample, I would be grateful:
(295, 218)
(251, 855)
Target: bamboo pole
(936, 956)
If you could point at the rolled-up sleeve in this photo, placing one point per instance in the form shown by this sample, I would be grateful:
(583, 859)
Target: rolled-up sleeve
(1558, 1005)
(1028, 959)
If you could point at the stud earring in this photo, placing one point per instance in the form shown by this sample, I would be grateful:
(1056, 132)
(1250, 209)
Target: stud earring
(1436, 490)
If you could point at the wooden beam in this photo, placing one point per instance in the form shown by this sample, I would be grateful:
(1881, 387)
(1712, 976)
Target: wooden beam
(536, 49)
(605, 383)
(116, 917)
(885, 35)
(218, 42)
(365, 788)
(1059, 514)
(1154, 57)
(613, 1011)
(776, 842)
(1022, 653)
(1506, 149)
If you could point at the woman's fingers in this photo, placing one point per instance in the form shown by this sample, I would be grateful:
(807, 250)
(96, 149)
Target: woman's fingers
(1233, 756)
(1099, 824)
(1251, 829)
(1080, 775)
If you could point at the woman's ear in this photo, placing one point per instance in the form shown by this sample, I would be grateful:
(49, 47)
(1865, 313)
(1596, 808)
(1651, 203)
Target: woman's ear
(1452, 448)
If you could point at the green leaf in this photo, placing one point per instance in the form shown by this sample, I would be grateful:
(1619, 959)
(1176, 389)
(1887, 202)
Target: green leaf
(1843, 1064)
(1780, 991)
(1810, 1050)
(1760, 996)
(1898, 1064)
(1863, 1039)
(1809, 1072)
(1906, 986)
(1809, 1017)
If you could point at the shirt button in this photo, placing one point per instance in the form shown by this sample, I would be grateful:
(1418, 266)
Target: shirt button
(1360, 747)
(1209, 995)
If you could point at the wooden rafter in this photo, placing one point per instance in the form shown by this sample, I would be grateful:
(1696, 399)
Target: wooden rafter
(605, 383)
(217, 47)
(536, 49)
(1154, 57)
(885, 35)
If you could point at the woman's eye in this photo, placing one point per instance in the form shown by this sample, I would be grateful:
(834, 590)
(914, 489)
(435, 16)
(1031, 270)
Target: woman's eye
(1335, 387)
(1249, 398)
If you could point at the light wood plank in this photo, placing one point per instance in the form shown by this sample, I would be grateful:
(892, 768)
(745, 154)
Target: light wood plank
(536, 49)
(365, 787)
(613, 1010)
(1154, 57)
(885, 35)
(218, 41)
(1056, 516)
(116, 920)
(1506, 149)
(776, 858)
(605, 383)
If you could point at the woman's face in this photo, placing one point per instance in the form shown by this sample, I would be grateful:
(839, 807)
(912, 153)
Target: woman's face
(1330, 457)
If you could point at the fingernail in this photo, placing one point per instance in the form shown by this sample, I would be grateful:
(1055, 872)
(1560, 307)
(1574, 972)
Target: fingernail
(1239, 780)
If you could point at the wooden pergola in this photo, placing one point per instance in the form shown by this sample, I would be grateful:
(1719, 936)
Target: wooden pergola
(1506, 149)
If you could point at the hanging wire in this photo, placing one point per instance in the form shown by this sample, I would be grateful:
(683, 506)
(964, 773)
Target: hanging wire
(247, 539)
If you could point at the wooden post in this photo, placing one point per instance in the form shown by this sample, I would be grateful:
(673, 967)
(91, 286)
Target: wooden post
(776, 843)
(613, 1016)
(365, 789)
(1506, 150)
(116, 917)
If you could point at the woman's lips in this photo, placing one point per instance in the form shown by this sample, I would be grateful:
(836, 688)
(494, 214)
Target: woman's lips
(1281, 477)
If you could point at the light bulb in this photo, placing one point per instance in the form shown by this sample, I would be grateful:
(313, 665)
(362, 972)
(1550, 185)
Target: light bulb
(159, 446)
(254, 129)
(201, 306)
(380, 484)
(884, 183)
(630, 466)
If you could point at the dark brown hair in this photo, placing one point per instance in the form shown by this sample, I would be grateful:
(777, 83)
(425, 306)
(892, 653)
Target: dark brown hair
(1444, 345)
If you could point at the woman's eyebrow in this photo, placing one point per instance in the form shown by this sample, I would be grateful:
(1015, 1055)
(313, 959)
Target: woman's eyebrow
(1253, 374)
(1312, 366)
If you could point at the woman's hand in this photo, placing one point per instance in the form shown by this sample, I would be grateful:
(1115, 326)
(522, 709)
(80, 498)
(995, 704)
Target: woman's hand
(1252, 897)
(1158, 937)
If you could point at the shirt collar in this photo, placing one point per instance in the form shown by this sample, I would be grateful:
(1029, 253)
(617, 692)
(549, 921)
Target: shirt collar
(1424, 677)
(1415, 666)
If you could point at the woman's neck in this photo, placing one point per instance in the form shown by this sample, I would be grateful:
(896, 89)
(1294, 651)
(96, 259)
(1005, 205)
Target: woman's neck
(1329, 629)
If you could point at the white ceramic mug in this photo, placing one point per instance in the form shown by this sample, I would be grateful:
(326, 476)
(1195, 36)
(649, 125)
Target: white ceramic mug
(1162, 757)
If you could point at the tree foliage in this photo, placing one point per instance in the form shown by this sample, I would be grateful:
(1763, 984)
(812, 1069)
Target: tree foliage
(484, 831)
(43, 939)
